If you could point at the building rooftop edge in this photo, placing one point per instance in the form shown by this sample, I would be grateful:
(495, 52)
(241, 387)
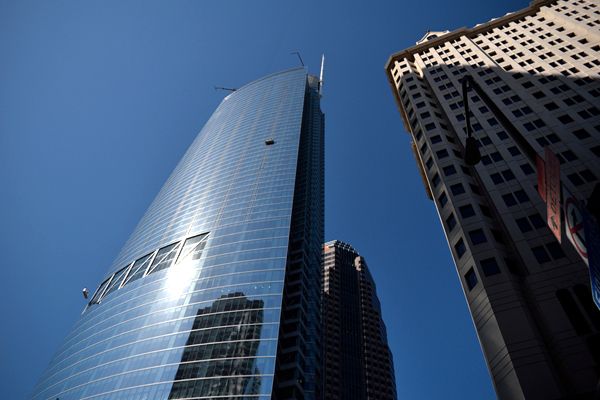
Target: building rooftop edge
(339, 243)
(533, 7)
(285, 71)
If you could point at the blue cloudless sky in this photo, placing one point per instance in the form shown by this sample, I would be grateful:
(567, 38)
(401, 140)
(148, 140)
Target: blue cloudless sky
(99, 100)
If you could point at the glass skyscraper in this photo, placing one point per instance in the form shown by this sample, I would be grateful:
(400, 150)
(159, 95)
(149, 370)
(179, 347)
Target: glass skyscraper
(357, 359)
(216, 292)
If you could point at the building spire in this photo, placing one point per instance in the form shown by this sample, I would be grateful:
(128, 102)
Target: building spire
(321, 74)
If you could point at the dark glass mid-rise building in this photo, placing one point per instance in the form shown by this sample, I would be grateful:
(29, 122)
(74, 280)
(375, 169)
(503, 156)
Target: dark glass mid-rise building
(358, 362)
(216, 292)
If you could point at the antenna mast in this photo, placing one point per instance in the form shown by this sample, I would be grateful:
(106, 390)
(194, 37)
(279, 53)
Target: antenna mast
(321, 75)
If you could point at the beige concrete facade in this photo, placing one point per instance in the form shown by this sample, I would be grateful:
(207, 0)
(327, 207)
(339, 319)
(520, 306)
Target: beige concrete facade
(527, 293)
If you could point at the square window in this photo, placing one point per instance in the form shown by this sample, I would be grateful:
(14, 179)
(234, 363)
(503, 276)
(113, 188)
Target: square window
(551, 106)
(509, 199)
(514, 151)
(569, 155)
(584, 114)
(471, 278)
(587, 175)
(443, 199)
(527, 169)
(523, 225)
(540, 254)
(429, 163)
(477, 236)
(565, 119)
(538, 94)
(521, 196)
(435, 180)
(508, 175)
(496, 156)
(489, 266)
(537, 221)
(555, 250)
(460, 248)
(451, 222)
(435, 139)
(498, 236)
(496, 178)
(475, 189)
(442, 153)
(449, 170)
(466, 211)
(502, 135)
(575, 179)
(553, 138)
(457, 189)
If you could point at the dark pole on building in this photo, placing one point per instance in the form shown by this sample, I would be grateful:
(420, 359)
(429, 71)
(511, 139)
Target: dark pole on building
(471, 152)
(513, 132)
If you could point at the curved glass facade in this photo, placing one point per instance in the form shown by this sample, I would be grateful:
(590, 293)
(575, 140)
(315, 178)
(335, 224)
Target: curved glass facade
(191, 307)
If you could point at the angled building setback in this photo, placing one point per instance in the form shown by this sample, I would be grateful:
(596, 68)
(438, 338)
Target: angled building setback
(205, 298)
(528, 294)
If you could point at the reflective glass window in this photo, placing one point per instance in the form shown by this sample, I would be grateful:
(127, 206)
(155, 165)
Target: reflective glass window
(99, 292)
(139, 268)
(164, 257)
(115, 283)
(192, 248)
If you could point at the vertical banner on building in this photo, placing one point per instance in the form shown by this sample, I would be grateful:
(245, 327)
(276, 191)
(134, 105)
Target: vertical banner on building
(552, 167)
(592, 240)
(574, 226)
(541, 176)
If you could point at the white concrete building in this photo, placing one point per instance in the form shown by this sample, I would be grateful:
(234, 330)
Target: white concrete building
(528, 294)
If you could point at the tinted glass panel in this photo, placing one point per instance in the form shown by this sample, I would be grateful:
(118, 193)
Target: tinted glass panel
(164, 258)
(192, 248)
(209, 327)
(116, 281)
(99, 292)
(139, 268)
(471, 278)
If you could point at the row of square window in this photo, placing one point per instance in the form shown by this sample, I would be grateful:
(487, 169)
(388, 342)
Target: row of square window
(457, 189)
(530, 126)
(576, 178)
(489, 266)
(155, 261)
